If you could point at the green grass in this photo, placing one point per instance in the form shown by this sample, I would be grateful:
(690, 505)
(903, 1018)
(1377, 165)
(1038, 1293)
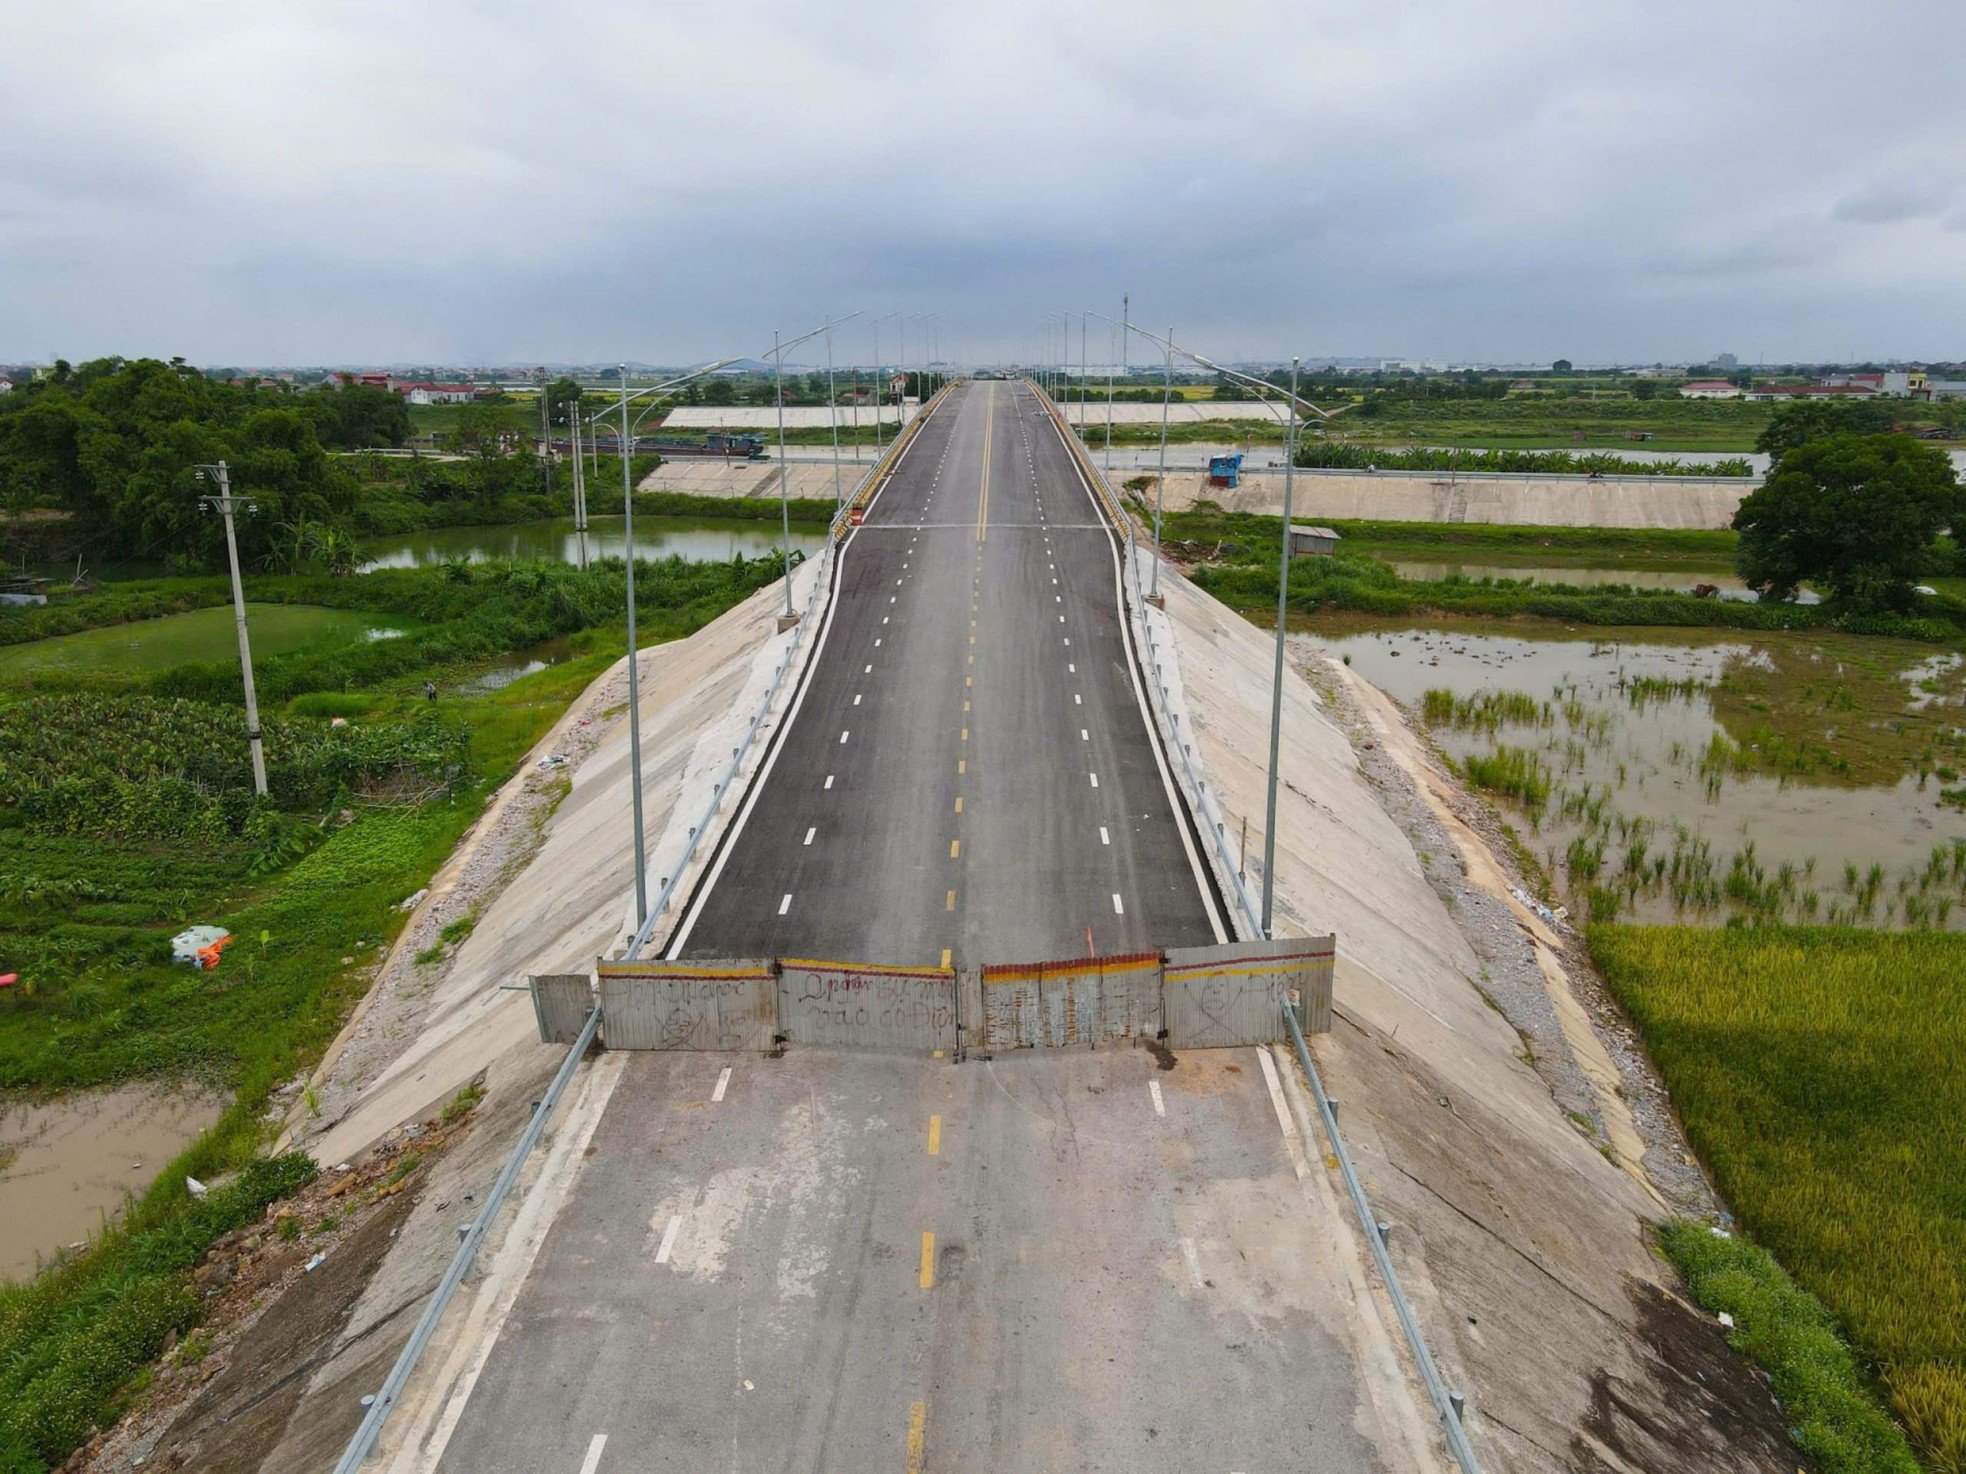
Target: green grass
(199, 635)
(1818, 1075)
(86, 922)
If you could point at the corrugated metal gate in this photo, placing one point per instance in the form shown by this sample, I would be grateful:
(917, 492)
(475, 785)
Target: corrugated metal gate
(865, 1007)
(689, 1005)
(1079, 1000)
(1193, 997)
(1217, 997)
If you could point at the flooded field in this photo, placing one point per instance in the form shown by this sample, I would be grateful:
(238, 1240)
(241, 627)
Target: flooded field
(201, 635)
(1661, 775)
(1685, 581)
(66, 1165)
(696, 539)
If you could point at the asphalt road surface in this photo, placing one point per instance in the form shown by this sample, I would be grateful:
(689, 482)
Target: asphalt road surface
(835, 1261)
(968, 772)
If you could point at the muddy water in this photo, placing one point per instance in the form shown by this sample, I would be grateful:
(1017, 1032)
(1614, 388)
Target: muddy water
(1671, 754)
(66, 1165)
(1681, 581)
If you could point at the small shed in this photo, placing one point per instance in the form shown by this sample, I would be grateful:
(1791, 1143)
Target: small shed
(1312, 542)
(1225, 470)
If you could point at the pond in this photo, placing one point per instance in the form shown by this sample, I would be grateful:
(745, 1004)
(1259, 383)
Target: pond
(696, 539)
(201, 635)
(1682, 581)
(67, 1164)
(1663, 775)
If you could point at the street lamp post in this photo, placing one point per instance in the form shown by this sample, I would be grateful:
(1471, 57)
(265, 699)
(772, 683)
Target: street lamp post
(225, 503)
(1276, 677)
(833, 419)
(634, 663)
(1160, 478)
(1283, 582)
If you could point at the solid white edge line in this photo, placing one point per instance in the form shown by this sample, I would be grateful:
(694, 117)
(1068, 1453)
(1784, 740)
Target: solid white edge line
(1292, 1147)
(1140, 696)
(723, 1084)
(709, 882)
(593, 1460)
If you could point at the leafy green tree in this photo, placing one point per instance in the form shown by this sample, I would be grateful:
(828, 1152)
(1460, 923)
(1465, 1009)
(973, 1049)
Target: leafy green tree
(1644, 389)
(719, 391)
(1805, 420)
(1561, 366)
(1854, 513)
(562, 399)
(358, 416)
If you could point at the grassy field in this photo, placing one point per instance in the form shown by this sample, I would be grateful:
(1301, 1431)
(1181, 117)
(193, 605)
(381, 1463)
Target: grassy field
(1818, 1075)
(126, 812)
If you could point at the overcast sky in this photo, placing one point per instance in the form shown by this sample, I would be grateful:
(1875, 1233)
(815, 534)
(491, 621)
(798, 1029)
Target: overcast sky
(439, 181)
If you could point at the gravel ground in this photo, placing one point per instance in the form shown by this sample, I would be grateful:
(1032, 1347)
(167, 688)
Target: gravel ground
(1510, 978)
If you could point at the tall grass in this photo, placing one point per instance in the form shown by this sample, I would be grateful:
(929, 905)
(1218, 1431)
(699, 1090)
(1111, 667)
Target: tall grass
(1818, 1072)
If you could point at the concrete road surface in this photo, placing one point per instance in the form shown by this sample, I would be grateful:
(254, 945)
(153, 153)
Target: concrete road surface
(968, 772)
(1069, 1260)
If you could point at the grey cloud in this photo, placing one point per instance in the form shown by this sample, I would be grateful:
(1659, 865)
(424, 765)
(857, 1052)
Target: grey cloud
(1525, 179)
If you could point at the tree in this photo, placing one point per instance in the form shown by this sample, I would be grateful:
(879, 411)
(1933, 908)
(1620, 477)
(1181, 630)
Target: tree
(1855, 513)
(1812, 419)
(1644, 389)
(562, 398)
(1561, 366)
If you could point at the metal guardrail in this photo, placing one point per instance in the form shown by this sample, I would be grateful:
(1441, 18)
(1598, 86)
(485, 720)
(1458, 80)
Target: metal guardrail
(383, 1402)
(1449, 1404)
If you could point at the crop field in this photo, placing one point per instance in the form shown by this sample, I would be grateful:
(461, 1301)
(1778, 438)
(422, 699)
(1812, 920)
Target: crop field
(1818, 1075)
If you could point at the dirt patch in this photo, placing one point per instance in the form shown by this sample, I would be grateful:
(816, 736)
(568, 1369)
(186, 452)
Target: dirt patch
(280, 1293)
(1734, 1403)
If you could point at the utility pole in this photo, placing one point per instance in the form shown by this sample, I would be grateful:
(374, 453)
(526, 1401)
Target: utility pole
(545, 435)
(579, 490)
(225, 503)
(634, 666)
(1276, 679)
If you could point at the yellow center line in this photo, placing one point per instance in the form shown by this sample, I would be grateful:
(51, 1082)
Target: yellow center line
(917, 1442)
(959, 797)
(983, 487)
(952, 901)
(955, 848)
(965, 736)
(935, 1136)
(928, 1260)
(945, 963)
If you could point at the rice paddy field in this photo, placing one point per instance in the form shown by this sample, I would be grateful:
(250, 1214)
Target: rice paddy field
(1818, 1073)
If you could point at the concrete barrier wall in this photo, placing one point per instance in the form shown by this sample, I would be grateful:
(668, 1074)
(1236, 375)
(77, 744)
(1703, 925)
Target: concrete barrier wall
(1220, 997)
(689, 1005)
(842, 1003)
(560, 1002)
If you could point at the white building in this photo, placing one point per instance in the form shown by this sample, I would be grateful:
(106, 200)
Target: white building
(1709, 389)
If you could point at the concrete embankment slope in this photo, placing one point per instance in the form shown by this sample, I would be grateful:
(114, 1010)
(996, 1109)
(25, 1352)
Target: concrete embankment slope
(1523, 1247)
(1527, 501)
